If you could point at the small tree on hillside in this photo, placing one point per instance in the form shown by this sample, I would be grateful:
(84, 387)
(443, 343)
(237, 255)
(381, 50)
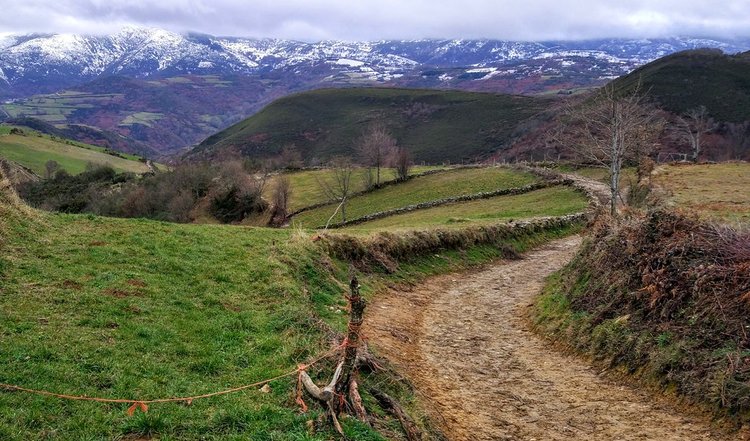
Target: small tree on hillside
(50, 167)
(738, 139)
(291, 157)
(281, 192)
(692, 126)
(338, 187)
(612, 127)
(402, 163)
(375, 147)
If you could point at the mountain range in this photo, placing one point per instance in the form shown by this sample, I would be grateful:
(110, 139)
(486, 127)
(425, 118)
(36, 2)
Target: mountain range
(170, 90)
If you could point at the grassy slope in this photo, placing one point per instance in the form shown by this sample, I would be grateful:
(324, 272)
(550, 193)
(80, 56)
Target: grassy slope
(687, 80)
(125, 308)
(421, 189)
(306, 191)
(34, 151)
(719, 191)
(555, 201)
(135, 308)
(435, 126)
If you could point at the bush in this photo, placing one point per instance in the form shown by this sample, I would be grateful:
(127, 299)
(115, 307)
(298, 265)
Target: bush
(233, 204)
(668, 296)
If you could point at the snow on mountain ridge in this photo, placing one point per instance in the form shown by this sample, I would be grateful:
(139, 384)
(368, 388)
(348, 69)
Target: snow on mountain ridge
(61, 60)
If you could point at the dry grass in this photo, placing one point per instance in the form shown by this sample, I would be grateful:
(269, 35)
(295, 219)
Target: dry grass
(715, 191)
(664, 295)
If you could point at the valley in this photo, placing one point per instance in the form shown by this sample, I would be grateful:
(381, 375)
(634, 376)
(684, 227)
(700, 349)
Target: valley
(200, 84)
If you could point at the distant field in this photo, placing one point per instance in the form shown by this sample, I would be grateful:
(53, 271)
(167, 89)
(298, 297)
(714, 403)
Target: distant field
(720, 191)
(421, 189)
(145, 118)
(34, 151)
(55, 108)
(555, 201)
(306, 188)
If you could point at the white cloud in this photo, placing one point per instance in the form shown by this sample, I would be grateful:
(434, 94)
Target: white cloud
(383, 19)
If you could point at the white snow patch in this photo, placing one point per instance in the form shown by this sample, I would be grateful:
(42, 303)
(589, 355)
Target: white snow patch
(205, 65)
(350, 63)
(482, 70)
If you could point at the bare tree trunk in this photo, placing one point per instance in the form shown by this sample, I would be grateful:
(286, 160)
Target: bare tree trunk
(344, 383)
(352, 341)
(614, 168)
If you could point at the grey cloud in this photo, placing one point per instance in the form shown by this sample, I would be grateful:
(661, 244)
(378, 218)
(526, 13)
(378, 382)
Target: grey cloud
(384, 19)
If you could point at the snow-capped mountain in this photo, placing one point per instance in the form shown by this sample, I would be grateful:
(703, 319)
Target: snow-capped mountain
(168, 91)
(44, 63)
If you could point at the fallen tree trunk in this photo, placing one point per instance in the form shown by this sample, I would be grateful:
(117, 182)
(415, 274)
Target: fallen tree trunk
(391, 406)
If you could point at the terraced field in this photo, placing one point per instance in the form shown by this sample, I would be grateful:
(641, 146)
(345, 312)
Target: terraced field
(306, 191)
(554, 201)
(432, 187)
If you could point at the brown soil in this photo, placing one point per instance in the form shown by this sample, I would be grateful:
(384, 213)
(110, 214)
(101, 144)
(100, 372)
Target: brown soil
(465, 342)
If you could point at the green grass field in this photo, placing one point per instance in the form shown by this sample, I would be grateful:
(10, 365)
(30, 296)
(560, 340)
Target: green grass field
(306, 191)
(34, 151)
(554, 201)
(138, 309)
(421, 189)
(717, 191)
(142, 309)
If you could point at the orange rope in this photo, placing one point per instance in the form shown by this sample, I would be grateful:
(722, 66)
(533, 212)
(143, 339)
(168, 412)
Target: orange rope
(142, 404)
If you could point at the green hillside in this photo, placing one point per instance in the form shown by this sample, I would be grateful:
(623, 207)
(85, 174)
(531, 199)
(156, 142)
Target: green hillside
(687, 80)
(33, 150)
(436, 126)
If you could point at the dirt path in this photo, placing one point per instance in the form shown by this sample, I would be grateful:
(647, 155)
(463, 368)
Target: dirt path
(464, 341)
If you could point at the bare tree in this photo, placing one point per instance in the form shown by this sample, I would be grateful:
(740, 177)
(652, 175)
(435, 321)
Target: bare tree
(692, 126)
(291, 157)
(738, 137)
(281, 192)
(375, 147)
(339, 186)
(612, 127)
(401, 163)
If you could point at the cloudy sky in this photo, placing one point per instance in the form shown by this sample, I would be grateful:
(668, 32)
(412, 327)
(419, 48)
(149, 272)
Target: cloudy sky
(384, 19)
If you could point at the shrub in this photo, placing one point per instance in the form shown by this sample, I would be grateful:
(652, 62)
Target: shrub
(668, 296)
(233, 204)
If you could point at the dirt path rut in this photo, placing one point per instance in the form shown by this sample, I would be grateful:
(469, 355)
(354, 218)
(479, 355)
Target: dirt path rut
(464, 341)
